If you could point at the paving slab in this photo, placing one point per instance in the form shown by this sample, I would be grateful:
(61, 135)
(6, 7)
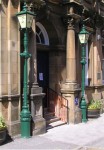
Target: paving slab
(82, 136)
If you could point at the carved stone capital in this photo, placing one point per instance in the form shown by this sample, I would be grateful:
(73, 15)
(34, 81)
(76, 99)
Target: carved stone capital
(70, 23)
(35, 4)
(70, 20)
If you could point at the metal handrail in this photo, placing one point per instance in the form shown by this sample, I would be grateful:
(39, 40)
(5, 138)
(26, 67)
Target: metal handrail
(58, 104)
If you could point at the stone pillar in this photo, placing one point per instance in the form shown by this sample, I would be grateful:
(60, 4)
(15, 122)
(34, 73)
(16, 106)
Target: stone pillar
(10, 67)
(13, 69)
(36, 95)
(70, 53)
(97, 59)
(97, 56)
(70, 89)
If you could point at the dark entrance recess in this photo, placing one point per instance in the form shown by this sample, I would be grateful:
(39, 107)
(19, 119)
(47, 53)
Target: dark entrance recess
(43, 73)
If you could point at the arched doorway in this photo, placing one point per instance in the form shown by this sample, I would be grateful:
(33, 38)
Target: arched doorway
(42, 60)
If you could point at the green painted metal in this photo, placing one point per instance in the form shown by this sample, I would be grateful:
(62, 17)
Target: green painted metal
(25, 11)
(83, 101)
(25, 113)
(83, 63)
(83, 31)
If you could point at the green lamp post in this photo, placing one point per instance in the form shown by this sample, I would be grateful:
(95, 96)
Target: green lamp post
(83, 37)
(25, 18)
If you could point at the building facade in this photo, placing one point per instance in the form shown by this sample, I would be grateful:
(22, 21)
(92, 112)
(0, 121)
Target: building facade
(55, 62)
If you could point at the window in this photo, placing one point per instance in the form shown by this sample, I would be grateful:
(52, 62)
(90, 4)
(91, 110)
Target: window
(41, 34)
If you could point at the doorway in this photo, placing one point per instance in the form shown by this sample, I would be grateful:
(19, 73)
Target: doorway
(43, 73)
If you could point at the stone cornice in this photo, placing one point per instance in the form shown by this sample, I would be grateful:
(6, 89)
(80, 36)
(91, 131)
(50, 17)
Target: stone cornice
(78, 2)
(94, 87)
(102, 1)
(9, 97)
(37, 95)
(52, 47)
(71, 19)
(54, 1)
(15, 3)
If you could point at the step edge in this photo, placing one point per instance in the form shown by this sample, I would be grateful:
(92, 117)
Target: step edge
(50, 126)
(52, 120)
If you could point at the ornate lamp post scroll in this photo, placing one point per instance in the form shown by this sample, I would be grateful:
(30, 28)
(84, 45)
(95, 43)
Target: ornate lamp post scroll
(25, 18)
(83, 37)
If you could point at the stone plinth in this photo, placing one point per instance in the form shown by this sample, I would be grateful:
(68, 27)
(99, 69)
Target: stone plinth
(38, 122)
(96, 96)
(72, 93)
(39, 125)
(10, 109)
(70, 86)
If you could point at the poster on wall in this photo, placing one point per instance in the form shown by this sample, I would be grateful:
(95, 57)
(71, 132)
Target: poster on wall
(41, 76)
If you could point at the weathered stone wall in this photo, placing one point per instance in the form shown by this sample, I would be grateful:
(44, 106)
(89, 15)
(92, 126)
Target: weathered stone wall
(57, 70)
(10, 65)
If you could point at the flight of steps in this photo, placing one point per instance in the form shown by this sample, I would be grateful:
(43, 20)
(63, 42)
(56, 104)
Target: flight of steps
(51, 120)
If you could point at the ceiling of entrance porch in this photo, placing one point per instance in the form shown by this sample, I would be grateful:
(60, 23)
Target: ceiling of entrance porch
(55, 1)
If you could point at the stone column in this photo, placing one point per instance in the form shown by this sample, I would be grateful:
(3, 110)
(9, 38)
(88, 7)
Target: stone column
(36, 95)
(70, 89)
(13, 44)
(97, 57)
(10, 66)
(70, 53)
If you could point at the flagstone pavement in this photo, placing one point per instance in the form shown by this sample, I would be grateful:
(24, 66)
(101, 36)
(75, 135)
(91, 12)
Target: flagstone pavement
(82, 136)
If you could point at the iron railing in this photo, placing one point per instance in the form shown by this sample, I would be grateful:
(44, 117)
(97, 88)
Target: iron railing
(57, 104)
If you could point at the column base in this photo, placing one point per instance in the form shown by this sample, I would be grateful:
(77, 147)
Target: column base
(96, 96)
(71, 92)
(39, 125)
(10, 109)
(38, 122)
(14, 128)
(70, 86)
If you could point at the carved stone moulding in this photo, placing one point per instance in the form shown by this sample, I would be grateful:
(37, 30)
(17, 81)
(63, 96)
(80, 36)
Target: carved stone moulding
(37, 1)
(102, 1)
(31, 1)
(36, 4)
(73, 15)
(15, 3)
(72, 1)
(55, 1)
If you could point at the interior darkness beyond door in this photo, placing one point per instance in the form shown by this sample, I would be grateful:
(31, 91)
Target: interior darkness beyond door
(43, 73)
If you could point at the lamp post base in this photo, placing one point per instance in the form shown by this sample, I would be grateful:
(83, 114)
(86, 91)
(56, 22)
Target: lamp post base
(25, 123)
(84, 109)
(84, 120)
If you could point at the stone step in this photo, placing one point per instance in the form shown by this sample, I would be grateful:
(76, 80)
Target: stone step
(49, 114)
(55, 124)
(51, 119)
